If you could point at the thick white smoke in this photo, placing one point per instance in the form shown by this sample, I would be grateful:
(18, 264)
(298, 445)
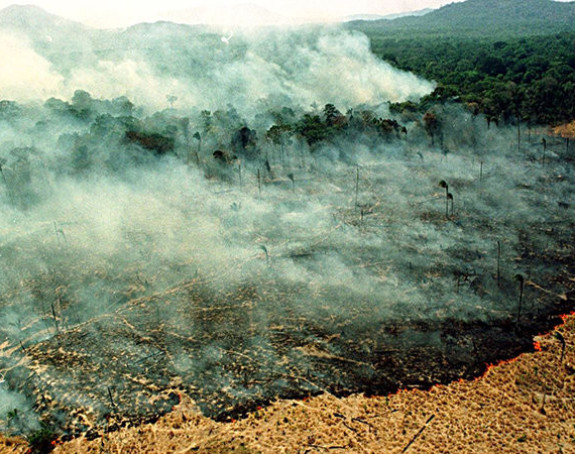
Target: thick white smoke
(25, 75)
(122, 236)
(301, 65)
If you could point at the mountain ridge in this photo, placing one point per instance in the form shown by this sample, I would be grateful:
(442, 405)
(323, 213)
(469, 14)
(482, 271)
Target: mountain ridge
(481, 17)
(393, 16)
(471, 17)
(34, 16)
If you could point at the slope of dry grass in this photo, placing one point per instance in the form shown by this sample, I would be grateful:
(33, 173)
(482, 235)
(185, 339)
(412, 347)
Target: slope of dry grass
(523, 406)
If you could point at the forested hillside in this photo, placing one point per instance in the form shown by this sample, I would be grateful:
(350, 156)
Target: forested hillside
(480, 18)
(507, 59)
(531, 78)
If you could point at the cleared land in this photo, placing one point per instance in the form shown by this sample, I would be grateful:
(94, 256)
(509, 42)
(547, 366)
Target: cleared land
(525, 405)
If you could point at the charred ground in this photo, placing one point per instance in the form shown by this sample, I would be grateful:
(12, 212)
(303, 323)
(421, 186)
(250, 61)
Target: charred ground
(261, 250)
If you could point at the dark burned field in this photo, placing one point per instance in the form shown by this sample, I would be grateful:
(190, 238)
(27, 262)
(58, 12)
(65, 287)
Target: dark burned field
(245, 298)
(235, 350)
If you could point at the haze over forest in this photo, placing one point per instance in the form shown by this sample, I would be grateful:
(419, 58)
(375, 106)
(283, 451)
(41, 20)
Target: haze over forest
(108, 14)
(256, 213)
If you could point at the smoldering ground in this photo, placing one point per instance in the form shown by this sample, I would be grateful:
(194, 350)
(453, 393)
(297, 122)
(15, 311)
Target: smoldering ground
(135, 265)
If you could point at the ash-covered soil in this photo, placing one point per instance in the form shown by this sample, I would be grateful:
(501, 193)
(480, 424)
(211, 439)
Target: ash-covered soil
(524, 405)
(235, 350)
(342, 280)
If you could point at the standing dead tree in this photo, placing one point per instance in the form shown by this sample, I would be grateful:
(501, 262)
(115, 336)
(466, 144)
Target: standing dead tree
(521, 280)
(443, 184)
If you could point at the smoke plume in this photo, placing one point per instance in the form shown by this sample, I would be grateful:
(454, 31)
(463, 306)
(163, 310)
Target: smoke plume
(155, 234)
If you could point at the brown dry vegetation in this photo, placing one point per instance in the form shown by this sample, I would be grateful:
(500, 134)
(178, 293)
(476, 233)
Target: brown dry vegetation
(567, 131)
(523, 406)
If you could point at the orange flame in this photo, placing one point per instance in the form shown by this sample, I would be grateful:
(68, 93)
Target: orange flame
(537, 346)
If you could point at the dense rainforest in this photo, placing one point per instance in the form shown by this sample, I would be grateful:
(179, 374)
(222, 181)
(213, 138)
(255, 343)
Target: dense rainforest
(506, 59)
(530, 78)
(272, 215)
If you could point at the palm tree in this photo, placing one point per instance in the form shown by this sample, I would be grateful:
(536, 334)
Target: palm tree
(443, 184)
(356, 185)
(291, 176)
(450, 197)
(265, 249)
(521, 279)
(498, 263)
(198, 137)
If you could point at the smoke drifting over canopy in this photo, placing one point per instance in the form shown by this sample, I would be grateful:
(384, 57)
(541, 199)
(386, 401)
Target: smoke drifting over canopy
(297, 66)
(191, 222)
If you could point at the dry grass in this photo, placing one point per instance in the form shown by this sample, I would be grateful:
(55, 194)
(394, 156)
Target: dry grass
(523, 406)
(14, 445)
(567, 131)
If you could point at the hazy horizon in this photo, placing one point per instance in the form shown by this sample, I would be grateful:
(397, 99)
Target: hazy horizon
(109, 14)
(237, 215)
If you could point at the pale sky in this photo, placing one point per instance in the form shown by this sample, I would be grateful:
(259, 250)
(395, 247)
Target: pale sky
(114, 13)
(120, 13)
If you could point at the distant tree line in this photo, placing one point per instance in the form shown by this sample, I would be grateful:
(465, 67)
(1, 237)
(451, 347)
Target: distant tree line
(529, 79)
(115, 134)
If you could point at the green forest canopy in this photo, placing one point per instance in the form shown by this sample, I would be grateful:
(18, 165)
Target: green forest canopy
(530, 78)
(508, 59)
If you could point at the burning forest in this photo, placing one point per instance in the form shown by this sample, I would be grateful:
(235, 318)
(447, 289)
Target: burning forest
(241, 226)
